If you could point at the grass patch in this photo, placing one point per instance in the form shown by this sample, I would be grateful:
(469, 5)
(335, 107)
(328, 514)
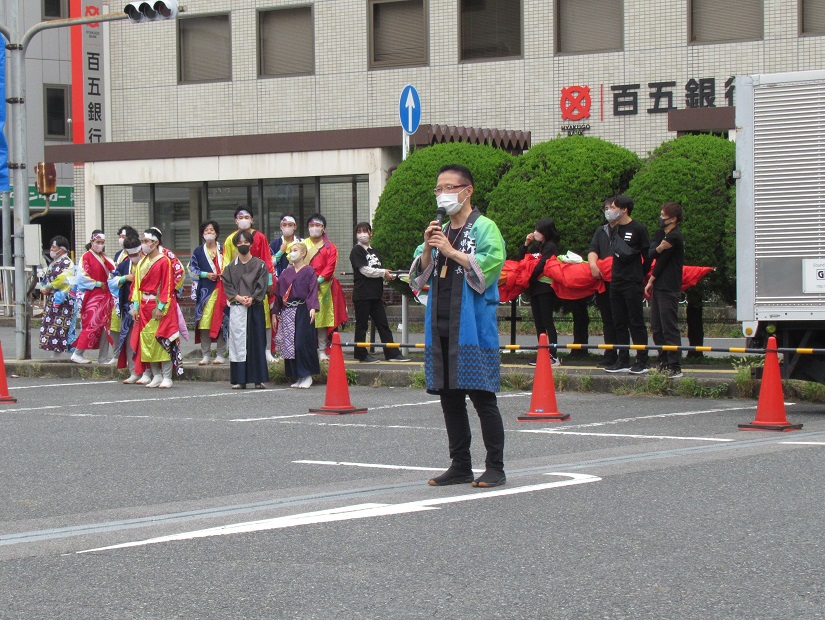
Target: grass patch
(516, 381)
(418, 380)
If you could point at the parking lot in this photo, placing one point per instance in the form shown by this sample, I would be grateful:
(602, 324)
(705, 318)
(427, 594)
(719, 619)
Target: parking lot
(122, 502)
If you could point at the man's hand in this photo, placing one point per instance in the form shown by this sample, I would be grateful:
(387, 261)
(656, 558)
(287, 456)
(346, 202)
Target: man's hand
(432, 228)
(157, 314)
(595, 272)
(312, 315)
(212, 276)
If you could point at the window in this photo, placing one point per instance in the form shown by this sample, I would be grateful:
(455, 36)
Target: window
(587, 26)
(716, 21)
(490, 29)
(286, 40)
(398, 33)
(812, 18)
(55, 9)
(204, 49)
(56, 109)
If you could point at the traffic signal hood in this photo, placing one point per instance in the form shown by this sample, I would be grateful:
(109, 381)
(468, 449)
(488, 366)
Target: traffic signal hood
(146, 11)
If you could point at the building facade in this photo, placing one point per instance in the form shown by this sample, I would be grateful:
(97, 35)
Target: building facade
(293, 106)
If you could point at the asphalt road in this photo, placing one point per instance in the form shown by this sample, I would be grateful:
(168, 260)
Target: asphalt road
(201, 502)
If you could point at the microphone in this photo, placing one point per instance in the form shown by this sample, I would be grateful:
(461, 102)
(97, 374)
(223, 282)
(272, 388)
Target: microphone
(440, 213)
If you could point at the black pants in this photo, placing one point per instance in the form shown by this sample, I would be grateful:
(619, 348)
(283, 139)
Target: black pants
(608, 330)
(628, 317)
(581, 322)
(542, 307)
(366, 309)
(457, 422)
(664, 323)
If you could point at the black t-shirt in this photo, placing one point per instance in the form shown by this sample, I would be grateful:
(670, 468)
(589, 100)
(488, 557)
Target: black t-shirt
(601, 242)
(364, 287)
(668, 268)
(445, 284)
(629, 245)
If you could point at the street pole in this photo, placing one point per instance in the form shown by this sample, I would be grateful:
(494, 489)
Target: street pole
(16, 97)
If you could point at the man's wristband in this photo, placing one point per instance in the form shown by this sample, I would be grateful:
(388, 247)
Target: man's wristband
(161, 306)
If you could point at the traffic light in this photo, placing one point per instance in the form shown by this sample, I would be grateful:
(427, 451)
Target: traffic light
(147, 10)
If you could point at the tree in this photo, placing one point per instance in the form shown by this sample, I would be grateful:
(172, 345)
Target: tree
(566, 179)
(407, 203)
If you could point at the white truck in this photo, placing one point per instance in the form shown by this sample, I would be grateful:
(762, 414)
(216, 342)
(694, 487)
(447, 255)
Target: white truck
(780, 214)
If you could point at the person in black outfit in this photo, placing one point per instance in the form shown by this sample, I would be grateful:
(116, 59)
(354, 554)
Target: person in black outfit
(629, 244)
(544, 241)
(599, 249)
(665, 286)
(368, 287)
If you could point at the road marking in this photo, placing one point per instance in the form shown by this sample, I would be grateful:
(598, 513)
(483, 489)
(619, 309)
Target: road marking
(376, 466)
(357, 511)
(804, 443)
(274, 417)
(663, 415)
(82, 383)
(555, 432)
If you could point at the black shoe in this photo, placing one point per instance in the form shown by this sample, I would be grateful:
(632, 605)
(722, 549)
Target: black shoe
(638, 369)
(370, 359)
(618, 367)
(490, 478)
(451, 476)
(400, 358)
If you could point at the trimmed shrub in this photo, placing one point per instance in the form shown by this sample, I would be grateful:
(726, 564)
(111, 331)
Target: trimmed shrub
(407, 203)
(566, 179)
(697, 172)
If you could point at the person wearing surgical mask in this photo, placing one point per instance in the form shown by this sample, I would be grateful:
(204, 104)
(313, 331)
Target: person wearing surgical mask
(296, 303)
(544, 243)
(368, 289)
(121, 286)
(279, 247)
(461, 261)
(98, 303)
(259, 248)
(322, 256)
(155, 336)
(205, 267)
(123, 232)
(56, 325)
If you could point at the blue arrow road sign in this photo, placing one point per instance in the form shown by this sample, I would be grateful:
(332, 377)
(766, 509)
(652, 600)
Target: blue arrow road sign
(409, 109)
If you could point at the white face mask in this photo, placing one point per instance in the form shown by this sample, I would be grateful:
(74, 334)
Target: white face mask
(450, 203)
(135, 258)
(294, 257)
(209, 238)
(316, 231)
(287, 231)
(363, 238)
(612, 215)
(146, 247)
(54, 254)
(97, 248)
(244, 224)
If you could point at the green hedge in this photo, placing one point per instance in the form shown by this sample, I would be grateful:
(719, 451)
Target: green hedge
(408, 204)
(697, 172)
(566, 179)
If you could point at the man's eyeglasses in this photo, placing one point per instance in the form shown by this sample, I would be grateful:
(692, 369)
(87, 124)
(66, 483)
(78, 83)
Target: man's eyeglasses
(447, 188)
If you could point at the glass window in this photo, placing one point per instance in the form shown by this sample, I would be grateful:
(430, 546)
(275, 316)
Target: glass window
(55, 9)
(813, 17)
(296, 196)
(587, 26)
(204, 49)
(490, 29)
(398, 33)
(56, 109)
(176, 212)
(287, 42)
(715, 21)
(223, 197)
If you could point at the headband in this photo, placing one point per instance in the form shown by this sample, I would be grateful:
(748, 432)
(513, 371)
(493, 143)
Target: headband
(98, 237)
(316, 221)
(242, 212)
(149, 236)
(288, 218)
(132, 251)
(60, 247)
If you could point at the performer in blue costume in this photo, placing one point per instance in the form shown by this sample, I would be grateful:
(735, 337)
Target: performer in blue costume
(461, 262)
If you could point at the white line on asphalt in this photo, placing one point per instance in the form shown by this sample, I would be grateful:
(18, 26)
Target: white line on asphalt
(555, 432)
(52, 385)
(805, 443)
(357, 511)
(375, 466)
(273, 417)
(662, 415)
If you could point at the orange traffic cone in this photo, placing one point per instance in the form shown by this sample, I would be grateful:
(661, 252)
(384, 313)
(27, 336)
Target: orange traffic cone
(337, 400)
(770, 410)
(543, 407)
(4, 386)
